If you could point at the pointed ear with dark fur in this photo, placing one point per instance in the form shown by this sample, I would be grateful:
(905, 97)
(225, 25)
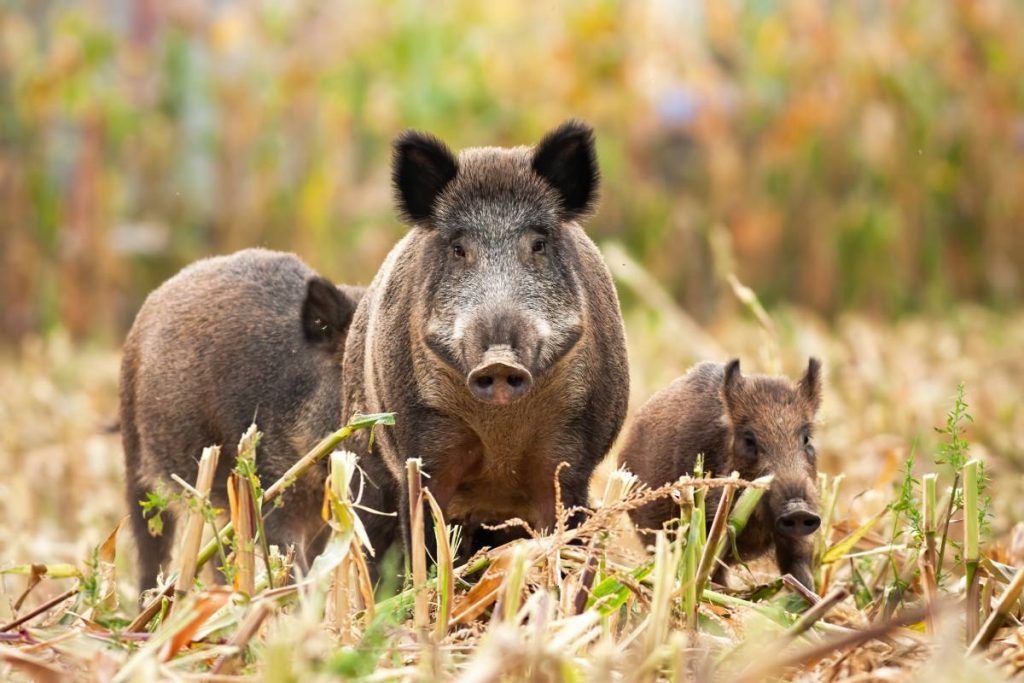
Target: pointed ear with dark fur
(732, 380)
(326, 313)
(809, 385)
(567, 160)
(421, 167)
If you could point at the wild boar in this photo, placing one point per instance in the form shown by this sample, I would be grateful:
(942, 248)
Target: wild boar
(755, 425)
(493, 331)
(256, 335)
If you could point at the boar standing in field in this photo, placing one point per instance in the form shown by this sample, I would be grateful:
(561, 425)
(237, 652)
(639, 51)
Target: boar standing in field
(754, 425)
(252, 336)
(493, 332)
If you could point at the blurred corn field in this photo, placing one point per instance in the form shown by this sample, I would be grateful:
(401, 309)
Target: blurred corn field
(845, 154)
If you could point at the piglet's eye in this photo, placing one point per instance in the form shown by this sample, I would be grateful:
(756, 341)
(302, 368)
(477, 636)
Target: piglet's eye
(539, 246)
(458, 250)
(750, 442)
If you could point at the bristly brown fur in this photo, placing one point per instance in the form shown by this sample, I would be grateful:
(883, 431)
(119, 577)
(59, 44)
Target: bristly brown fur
(468, 277)
(255, 335)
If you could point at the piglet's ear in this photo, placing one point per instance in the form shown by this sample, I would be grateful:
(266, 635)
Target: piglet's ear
(809, 385)
(422, 166)
(326, 313)
(567, 160)
(732, 380)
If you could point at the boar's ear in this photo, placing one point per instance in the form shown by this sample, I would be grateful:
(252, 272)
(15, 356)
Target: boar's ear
(566, 159)
(730, 382)
(809, 385)
(326, 313)
(422, 166)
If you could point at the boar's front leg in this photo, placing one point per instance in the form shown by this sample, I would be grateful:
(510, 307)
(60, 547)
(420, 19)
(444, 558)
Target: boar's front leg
(794, 557)
(573, 483)
(448, 452)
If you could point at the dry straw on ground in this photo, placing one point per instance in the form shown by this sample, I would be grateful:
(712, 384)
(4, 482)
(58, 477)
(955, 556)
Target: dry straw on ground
(585, 604)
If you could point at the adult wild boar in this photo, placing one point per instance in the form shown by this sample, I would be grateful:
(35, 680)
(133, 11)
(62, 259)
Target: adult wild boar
(493, 332)
(753, 425)
(252, 336)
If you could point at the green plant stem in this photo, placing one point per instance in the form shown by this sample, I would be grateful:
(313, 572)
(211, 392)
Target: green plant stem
(403, 599)
(716, 538)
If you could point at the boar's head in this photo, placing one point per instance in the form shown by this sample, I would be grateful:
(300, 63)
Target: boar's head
(501, 288)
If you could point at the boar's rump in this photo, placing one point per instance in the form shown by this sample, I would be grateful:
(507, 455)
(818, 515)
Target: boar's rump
(256, 335)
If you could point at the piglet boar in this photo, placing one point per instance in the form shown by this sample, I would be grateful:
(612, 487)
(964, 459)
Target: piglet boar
(493, 332)
(252, 336)
(755, 425)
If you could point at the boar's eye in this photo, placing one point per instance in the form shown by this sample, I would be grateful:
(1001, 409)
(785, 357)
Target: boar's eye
(458, 250)
(805, 437)
(539, 245)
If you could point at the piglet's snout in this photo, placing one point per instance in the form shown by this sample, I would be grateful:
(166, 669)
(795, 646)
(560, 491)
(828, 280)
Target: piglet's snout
(797, 519)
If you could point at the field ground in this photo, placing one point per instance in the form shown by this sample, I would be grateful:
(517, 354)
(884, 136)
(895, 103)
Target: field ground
(888, 388)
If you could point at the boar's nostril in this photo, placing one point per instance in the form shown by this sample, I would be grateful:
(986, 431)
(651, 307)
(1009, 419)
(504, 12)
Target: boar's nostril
(499, 383)
(799, 522)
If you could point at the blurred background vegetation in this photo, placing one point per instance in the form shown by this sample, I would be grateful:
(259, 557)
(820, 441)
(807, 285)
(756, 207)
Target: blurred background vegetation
(858, 163)
(839, 155)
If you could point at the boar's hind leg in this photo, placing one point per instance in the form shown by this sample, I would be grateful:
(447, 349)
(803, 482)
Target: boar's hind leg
(153, 551)
(384, 531)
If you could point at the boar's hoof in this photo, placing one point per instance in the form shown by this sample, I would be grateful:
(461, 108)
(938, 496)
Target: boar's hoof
(797, 520)
(500, 382)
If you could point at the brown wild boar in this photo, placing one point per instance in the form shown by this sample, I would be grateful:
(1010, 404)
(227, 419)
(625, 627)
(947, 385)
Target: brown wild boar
(252, 336)
(754, 425)
(493, 332)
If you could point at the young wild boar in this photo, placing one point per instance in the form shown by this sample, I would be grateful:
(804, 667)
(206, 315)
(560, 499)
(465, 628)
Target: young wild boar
(754, 425)
(493, 331)
(252, 336)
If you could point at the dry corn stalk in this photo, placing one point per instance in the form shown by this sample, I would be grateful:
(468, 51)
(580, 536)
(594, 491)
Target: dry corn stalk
(241, 504)
(194, 526)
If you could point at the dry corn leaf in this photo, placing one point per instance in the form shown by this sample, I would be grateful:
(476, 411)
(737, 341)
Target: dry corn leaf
(483, 594)
(205, 606)
(40, 670)
(106, 574)
(108, 550)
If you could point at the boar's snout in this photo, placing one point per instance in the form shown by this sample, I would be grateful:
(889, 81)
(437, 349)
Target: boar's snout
(499, 378)
(797, 519)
